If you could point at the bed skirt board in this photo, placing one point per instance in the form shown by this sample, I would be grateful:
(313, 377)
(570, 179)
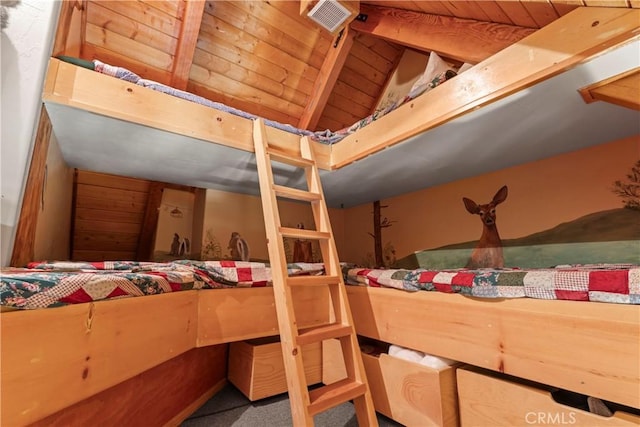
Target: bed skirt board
(162, 396)
(586, 347)
(85, 349)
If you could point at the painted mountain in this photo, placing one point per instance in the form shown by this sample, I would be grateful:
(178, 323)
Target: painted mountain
(611, 236)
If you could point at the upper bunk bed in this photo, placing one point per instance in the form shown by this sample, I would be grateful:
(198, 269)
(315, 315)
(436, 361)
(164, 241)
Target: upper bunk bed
(523, 103)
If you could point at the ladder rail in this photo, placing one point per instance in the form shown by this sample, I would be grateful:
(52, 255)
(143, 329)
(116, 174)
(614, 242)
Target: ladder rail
(292, 352)
(305, 404)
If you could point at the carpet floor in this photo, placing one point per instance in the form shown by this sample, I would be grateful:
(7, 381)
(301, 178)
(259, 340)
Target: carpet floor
(230, 407)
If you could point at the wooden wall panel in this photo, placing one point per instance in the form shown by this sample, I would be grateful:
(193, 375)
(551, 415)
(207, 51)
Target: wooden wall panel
(361, 81)
(155, 397)
(23, 248)
(108, 216)
(258, 56)
(139, 35)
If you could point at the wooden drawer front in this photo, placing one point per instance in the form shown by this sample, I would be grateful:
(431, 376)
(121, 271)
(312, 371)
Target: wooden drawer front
(488, 401)
(410, 393)
(257, 370)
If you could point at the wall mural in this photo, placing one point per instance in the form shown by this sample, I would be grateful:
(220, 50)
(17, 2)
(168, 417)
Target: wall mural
(211, 248)
(488, 250)
(175, 226)
(607, 236)
(238, 247)
(383, 256)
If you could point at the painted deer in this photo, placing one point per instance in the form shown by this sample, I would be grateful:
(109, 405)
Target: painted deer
(488, 251)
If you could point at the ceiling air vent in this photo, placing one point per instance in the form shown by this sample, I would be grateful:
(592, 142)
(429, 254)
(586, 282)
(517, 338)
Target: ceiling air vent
(329, 14)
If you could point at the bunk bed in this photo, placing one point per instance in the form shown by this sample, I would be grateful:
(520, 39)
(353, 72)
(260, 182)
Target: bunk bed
(79, 101)
(73, 346)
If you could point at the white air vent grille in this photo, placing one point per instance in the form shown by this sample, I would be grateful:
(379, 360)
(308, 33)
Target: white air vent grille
(329, 14)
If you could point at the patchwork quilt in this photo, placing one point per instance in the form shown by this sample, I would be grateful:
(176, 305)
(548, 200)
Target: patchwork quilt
(51, 284)
(615, 283)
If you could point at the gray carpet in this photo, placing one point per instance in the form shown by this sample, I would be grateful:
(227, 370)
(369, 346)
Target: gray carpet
(230, 407)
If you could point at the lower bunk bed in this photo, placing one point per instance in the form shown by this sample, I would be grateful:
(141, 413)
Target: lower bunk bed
(107, 323)
(83, 349)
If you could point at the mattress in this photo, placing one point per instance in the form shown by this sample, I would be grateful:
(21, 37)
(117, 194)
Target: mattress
(612, 283)
(53, 284)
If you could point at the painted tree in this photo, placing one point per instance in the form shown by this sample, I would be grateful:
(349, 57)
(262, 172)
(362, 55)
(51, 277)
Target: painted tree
(379, 223)
(629, 190)
(211, 249)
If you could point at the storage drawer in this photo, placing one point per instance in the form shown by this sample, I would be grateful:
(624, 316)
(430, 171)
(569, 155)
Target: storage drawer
(257, 370)
(407, 392)
(488, 400)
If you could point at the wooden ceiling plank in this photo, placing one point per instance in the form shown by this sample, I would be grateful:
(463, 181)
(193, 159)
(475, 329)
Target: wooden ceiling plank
(146, 15)
(354, 79)
(326, 80)
(565, 6)
(459, 39)
(466, 10)
(212, 49)
(240, 90)
(232, 70)
(387, 50)
(183, 59)
(230, 16)
(432, 7)
(377, 62)
(69, 34)
(171, 8)
(101, 37)
(606, 3)
(127, 27)
(518, 13)
(494, 12)
(257, 39)
(542, 13)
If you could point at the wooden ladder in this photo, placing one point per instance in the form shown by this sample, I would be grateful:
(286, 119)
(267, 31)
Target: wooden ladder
(304, 403)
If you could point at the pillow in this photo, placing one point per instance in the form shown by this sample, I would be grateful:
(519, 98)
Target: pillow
(435, 67)
(77, 61)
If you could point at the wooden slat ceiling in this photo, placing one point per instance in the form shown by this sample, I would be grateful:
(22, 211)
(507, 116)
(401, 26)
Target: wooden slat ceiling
(264, 58)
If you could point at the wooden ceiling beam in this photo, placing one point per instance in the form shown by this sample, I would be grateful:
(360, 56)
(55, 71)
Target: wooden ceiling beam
(326, 80)
(191, 21)
(465, 40)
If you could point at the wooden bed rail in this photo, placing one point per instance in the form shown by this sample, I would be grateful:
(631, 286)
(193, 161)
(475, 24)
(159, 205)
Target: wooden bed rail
(555, 48)
(78, 87)
(589, 348)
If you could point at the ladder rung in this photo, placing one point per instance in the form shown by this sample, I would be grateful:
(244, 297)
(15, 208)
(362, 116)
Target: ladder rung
(280, 156)
(313, 280)
(301, 233)
(295, 194)
(324, 332)
(332, 395)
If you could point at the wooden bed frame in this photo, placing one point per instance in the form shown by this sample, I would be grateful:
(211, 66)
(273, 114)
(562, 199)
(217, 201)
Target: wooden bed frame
(84, 349)
(586, 347)
(559, 46)
(54, 358)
